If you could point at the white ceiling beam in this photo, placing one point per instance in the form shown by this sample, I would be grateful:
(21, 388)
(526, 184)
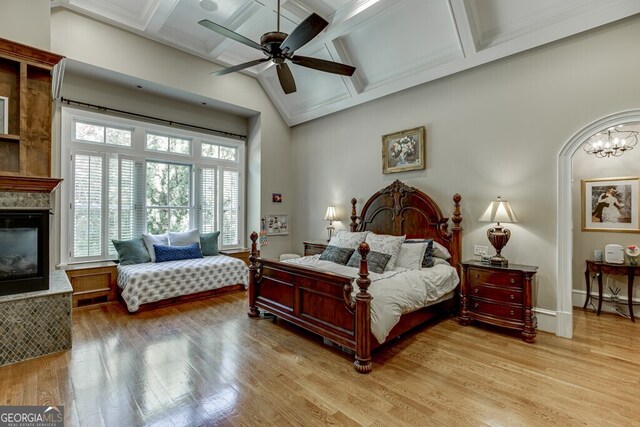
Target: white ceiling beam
(464, 27)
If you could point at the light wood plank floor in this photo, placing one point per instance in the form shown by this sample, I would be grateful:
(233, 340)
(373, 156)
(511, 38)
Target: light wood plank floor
(207, 363)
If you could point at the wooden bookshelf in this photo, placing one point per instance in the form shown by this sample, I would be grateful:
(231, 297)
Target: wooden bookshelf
(25, 80)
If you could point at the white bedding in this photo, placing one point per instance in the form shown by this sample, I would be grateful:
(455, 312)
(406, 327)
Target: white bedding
(394, 292)
(151, 282)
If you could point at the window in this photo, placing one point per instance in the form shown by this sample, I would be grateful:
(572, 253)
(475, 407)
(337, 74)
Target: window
(168, 143)
(217, 151)
(128, 177)
(168, 197)
(88, 132)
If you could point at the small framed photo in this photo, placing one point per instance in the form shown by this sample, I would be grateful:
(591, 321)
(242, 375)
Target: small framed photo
(276, 198)
(4, 114)
(611, 204)
(404, 151)
(277, 224)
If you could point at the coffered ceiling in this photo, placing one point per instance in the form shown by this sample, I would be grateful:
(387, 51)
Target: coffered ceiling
(394, 44)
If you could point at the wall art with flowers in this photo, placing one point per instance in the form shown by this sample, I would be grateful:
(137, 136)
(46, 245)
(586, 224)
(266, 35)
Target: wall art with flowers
(404, 151)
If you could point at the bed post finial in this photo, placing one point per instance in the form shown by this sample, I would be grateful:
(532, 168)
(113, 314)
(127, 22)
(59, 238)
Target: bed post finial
(362, 363)
(253, 271)
(354, 215)
(456, 238)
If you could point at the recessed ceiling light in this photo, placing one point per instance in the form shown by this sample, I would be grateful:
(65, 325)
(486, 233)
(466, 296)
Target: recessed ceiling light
(208, 5)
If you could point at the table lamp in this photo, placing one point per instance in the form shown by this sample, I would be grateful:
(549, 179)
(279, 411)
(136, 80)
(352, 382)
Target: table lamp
(330, 216)
(498, 211)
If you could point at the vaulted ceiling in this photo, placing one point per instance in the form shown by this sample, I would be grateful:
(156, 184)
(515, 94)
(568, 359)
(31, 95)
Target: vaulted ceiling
(394, 44)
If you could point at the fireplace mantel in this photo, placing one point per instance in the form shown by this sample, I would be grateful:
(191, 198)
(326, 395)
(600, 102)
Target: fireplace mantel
(28, 184)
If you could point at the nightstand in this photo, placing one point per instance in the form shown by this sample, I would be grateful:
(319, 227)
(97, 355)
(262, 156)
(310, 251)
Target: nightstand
(240, 253)
(313, 247)
(498, 295)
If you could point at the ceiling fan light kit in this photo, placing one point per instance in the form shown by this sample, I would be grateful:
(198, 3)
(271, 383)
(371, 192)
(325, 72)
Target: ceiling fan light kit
(280, 47)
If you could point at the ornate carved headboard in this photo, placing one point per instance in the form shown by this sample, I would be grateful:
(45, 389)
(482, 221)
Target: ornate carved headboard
(402, 210)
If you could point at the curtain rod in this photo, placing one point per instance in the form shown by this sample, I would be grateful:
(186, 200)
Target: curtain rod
(169, 122)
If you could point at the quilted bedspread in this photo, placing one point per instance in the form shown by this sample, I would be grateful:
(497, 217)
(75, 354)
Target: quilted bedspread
(151, 282)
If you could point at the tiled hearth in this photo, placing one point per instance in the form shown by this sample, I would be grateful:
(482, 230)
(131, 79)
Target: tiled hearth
(35, 323)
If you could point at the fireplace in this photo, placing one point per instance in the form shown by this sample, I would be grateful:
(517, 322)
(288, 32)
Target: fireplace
(24, 251)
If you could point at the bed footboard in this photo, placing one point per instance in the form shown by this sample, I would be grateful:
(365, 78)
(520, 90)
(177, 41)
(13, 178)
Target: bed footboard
(320, 302)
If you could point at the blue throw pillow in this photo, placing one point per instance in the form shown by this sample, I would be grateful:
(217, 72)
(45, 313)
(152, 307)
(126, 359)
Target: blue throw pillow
(209, 243)
(174, 253)
(131, 251)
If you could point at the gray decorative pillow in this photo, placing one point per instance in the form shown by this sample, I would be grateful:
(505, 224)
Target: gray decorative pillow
(131, 251)
(376, 261)
(209, 243)
(336, 254)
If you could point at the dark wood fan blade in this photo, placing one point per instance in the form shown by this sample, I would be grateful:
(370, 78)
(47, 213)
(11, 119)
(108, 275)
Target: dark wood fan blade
(286, 78)
(228, 33)
(303, 33)
(239, 67)
(322, 65)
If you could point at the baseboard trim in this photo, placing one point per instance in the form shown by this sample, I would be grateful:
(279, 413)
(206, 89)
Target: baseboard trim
(578, 296)
(546, 319)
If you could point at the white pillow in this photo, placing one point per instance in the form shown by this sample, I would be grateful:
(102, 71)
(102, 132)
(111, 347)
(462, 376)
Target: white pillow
(410, 256)
(440, 261)
(154, 239)
(185, 238)
(440, 251)
(348, 239)
(386, 244)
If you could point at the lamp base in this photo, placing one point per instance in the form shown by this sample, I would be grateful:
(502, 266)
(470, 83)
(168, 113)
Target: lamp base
(499, 260)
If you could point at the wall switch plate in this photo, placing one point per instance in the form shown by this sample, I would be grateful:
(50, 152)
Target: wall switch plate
(480, 250)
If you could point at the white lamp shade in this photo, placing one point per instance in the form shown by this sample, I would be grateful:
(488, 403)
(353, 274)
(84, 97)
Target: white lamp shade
(499, 211)
(331, 214)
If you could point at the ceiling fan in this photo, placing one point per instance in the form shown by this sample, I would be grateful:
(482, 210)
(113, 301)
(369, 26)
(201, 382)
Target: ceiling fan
(280, 47)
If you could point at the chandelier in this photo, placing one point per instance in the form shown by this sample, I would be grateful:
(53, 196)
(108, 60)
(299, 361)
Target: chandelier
(614, 142)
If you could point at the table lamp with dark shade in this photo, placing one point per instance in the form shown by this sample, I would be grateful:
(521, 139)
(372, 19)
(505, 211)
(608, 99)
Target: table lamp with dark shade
(498, 211)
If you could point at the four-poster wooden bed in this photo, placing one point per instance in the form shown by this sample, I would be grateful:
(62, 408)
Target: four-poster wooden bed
(322, 302)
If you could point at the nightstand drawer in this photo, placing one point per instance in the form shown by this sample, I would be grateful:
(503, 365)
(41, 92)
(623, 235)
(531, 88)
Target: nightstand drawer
(510, 295)
(496, 309)
(500, 278)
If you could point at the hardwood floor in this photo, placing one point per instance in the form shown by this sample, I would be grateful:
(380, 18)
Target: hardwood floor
(207, 363)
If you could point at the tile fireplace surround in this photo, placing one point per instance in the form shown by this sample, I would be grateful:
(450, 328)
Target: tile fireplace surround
(36, 323)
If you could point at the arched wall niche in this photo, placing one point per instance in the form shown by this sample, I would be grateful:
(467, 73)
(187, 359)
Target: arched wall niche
(569, 220)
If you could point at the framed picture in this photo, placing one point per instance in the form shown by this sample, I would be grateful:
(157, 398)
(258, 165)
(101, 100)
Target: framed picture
(404, 151)
(277, 224)
(4, 114)
(611, 204)
(276, 197)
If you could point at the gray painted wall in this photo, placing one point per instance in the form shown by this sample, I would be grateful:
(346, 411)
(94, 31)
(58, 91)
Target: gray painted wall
(493, 130)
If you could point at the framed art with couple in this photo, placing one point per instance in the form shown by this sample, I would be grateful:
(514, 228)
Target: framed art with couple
(611, 204)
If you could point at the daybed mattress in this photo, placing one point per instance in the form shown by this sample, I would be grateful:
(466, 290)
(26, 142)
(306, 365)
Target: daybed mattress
(151, 282)
(395, 292)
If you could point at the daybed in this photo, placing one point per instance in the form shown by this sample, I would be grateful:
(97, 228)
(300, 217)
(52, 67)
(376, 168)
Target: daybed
(322, 302)
(151, 284)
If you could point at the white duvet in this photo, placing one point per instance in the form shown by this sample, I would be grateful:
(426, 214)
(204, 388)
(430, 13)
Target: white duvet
(394, 292)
